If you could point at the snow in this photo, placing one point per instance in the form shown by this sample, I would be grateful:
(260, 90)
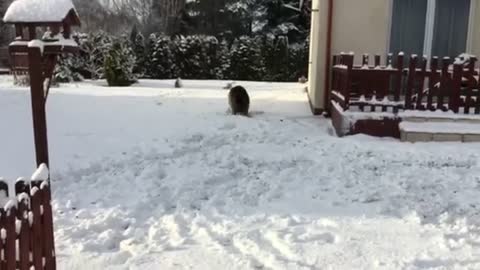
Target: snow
(36, 44)
(38, 11)
(439, 114)
(41, 174)
(441, 127)
(153, 177)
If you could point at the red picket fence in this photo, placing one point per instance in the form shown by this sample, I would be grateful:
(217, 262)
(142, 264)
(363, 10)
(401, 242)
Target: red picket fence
(393, 87)
(26, 227)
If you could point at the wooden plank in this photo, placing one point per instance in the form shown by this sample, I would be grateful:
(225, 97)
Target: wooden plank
(398, 77)
(10, 245)
(348, 79)
(477, 102)
(470, 86)
(22, 186)
(24, 237)
(48, 49)
(456, 85)
(337, 97)
(37, 233)
(444, 84)
(411, 82)
(49, 247)
(3, 232)
(421, 83)
(432, 81)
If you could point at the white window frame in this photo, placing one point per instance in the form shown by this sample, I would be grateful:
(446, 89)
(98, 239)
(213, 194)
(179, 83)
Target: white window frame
(430, 25)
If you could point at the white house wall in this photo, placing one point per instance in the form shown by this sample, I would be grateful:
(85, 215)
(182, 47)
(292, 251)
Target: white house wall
(360, 27)
(318, 45)
(476, 31)
(357, 26)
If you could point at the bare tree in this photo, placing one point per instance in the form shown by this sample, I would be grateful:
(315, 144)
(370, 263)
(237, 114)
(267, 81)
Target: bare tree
(164, 16)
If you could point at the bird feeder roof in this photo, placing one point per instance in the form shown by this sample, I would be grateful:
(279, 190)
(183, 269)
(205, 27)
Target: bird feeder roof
(41, 12)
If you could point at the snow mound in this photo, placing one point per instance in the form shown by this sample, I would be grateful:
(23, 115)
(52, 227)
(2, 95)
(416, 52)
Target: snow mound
(41, 174)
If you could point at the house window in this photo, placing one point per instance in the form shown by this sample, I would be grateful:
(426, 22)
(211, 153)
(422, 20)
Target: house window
(430, 27)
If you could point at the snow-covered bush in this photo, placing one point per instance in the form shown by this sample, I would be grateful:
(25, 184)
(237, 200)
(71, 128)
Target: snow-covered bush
(119, 64)
(222, 61)
(267, 57)
(93, 49)
(139, 49)
(161, 63)
(246, 61)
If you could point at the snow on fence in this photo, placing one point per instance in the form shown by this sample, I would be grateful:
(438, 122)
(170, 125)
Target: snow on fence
(26, 225)
(423, 85)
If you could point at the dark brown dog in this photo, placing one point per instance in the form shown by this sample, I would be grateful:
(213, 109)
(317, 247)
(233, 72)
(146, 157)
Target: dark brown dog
(239, 100)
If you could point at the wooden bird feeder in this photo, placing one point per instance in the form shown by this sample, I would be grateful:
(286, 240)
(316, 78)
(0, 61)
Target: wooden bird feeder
(36, 56)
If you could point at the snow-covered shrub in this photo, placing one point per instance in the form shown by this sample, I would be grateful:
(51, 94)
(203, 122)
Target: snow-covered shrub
(298, 60)
(161, 63)
(119, 64)
(222, 61)
(246, 61)
(93, 49)
(268, 57)
(139, 48)
(68, 69)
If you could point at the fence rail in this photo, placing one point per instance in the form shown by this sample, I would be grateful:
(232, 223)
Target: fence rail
(419, 85)
(26, 225)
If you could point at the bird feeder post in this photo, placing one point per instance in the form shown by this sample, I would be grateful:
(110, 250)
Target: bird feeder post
(38, 105)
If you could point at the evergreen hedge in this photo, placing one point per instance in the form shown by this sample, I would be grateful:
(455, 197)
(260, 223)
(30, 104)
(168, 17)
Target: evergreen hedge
(259, 58)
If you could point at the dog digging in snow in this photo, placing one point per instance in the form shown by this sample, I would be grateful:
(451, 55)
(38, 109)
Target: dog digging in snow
(239, 101)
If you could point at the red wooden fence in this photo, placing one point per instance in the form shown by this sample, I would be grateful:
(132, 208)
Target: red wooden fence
(424, 85)
(26, 227)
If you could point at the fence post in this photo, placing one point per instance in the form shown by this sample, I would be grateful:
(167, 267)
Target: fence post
(49, 247)
(399, 79)
(24, 238)
(419, 105)
(444, 83)
(456, 87)
(37, 233)
(10, 252)
(411, 82)
(432, 81)
(3, 248)
(348, 79)
(470, 85)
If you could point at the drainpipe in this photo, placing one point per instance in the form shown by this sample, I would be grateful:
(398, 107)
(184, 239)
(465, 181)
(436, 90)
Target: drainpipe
(328, 54)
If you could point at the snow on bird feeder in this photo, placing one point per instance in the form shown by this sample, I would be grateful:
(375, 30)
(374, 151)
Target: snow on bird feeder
(29, 15)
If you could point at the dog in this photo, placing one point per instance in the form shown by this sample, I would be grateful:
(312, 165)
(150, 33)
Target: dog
(239, 101)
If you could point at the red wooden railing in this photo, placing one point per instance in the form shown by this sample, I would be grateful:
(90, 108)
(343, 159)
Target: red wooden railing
(26, 227)
(421, 86)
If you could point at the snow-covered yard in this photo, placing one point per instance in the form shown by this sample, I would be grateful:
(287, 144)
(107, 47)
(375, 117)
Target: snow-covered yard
(152, 177)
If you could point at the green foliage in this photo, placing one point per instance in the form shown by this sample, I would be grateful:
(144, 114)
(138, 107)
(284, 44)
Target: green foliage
(119, 64)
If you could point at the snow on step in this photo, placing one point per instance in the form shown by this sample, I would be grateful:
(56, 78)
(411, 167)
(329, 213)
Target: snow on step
(439, 131)
(38, 11)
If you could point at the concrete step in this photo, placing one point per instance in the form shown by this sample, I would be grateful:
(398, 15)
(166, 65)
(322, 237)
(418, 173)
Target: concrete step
(440, 131)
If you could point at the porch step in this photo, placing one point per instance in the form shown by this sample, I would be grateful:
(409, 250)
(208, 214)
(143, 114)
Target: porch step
(440, 131)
